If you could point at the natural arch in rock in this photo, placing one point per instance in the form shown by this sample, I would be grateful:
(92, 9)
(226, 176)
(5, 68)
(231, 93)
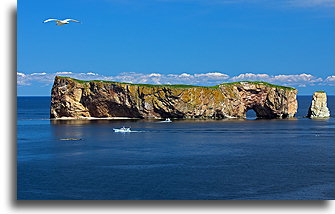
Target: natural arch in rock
(250, 114)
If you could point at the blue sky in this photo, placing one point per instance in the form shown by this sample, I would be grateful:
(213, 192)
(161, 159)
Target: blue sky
(288, 42)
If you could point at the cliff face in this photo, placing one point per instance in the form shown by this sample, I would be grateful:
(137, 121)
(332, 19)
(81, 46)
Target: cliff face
(318, 108)
(78, 99)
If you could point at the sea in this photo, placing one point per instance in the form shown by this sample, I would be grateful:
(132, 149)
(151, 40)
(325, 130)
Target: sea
(233, 159)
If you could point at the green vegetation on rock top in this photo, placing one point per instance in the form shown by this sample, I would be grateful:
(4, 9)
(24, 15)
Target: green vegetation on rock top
(319, 92)
(184, 86)
(260, 83)
(126, 83)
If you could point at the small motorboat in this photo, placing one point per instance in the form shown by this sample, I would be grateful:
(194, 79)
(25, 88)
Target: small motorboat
(167, 120)
(123, 129)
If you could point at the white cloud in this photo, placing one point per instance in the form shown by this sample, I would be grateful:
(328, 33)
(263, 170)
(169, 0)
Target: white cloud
(185, 75)
(66, 72)
(251, 77)
(20, 74)
(90, 73)
(213, 75)
(154, 75)
(330, 79)
(297, 78)
(38, 74)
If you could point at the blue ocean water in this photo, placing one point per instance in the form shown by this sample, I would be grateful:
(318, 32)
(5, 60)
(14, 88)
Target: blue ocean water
(185, 159)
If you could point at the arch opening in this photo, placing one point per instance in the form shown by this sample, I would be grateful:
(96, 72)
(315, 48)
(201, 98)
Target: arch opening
(251, 114)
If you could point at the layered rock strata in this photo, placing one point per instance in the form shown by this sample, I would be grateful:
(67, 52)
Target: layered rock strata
(318, 107)
(73, 98)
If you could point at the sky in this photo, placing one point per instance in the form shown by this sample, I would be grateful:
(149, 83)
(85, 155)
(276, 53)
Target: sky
(196, 42)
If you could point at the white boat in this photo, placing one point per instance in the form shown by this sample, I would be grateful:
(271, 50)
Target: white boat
(167, 120)
(123, 129)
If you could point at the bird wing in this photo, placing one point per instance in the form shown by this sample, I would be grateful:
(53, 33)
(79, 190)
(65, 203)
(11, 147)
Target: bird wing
(71, 20)
(48, 20)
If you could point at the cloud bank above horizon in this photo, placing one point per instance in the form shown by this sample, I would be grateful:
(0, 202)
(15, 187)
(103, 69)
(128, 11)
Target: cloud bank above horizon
(203, 79)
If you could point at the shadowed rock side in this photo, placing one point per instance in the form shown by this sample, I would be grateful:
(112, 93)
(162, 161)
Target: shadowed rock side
(318, 107)
(77, 99)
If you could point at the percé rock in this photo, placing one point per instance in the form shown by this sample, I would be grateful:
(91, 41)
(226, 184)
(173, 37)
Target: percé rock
(318, 107)
(79, 99)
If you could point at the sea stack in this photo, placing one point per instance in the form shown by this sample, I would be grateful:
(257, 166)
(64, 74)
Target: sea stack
(77, 99)
(318, 108)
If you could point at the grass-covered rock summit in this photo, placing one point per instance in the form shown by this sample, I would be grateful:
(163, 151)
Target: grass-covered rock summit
(72, 98)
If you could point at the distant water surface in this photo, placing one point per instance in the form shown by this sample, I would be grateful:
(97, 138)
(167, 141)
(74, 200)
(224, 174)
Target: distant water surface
(185, 159)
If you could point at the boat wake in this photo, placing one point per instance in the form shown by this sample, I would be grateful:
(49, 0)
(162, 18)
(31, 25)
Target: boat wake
(125, 130)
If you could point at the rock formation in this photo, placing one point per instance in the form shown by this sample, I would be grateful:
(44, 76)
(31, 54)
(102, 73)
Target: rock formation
(79, 99)
(318, 108)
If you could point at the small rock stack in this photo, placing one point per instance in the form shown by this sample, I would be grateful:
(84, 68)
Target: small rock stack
(318, 108)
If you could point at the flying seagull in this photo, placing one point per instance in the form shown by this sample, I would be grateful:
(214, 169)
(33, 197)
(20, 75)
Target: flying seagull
(61, 22)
